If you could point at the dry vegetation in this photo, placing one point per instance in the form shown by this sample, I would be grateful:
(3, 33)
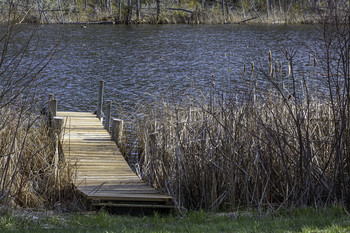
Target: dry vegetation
(263, 153)
(31, 174)
(281, 146)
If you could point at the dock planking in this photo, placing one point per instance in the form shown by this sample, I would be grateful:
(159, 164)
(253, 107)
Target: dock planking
(102, 174)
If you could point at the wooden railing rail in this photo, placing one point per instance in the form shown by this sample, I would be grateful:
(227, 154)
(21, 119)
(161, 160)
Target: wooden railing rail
(99, 112)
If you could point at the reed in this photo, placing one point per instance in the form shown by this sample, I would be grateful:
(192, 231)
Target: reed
(30, 173)
(268, 148)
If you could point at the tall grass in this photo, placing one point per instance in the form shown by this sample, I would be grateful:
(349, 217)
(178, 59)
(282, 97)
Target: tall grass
(259, 153)
(281, 145)
(30, 173)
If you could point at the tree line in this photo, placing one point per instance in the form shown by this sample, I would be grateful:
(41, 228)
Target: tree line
(163, 11)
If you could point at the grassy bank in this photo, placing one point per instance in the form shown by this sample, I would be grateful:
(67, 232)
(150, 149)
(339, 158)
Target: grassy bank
(298, 220)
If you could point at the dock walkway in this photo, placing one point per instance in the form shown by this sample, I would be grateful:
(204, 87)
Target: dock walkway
(103, 176)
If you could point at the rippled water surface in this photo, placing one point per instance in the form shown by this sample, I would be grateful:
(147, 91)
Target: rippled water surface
(138, 61)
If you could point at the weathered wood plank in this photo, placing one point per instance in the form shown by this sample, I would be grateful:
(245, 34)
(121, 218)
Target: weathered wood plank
(128, 197)
(101, 171)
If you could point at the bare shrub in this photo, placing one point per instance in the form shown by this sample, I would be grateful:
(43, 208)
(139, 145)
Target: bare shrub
(29, 174)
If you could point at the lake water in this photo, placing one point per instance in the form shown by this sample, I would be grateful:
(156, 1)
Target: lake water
(140, 61)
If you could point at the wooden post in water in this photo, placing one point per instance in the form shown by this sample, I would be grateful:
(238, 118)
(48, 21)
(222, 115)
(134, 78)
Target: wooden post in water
(51, 111)
(52, 107)
(117, 131)
(100, 100)
(108, 115)
(51, 96)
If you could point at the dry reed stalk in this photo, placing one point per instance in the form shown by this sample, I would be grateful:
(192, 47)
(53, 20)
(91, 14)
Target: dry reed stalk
(268, 151)
(28, 175)
(27, 168)
(286, 146)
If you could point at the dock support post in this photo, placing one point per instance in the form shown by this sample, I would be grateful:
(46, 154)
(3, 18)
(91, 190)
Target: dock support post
(58, 127)
(51, 96)
(50, 111)
(117, 131)
(100, 100)
(52, 108)
(108, 115)
(57, 136)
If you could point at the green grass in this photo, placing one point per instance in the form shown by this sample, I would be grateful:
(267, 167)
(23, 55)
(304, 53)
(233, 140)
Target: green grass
(301, 220)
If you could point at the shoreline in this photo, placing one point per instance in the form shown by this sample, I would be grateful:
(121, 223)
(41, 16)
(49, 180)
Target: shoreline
(195, 16)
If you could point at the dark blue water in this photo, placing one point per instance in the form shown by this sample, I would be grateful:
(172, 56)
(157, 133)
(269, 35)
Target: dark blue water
(138, 62)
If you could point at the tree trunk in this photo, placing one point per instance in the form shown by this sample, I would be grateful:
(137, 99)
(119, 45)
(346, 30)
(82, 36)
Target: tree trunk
(61, 14)
(267, 8)
(128, 21)
(223, 7)
(110, 6)
(243, 9)
(227, 10)
(119, 11)
(280, 4)
(158, 10)
(272, 7)
(138, 10)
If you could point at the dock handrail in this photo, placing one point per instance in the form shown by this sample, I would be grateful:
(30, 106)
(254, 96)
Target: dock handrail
(114, 126)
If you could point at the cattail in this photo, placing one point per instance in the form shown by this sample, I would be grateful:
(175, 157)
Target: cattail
(289, 70)
(280, 68)
(270, 56)
(270, 68)
(244, 69)
(315, 60)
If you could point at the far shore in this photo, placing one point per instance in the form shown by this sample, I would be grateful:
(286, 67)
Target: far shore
(168, 16)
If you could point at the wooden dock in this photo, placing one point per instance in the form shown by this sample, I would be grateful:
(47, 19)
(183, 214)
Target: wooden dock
(103, 176)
